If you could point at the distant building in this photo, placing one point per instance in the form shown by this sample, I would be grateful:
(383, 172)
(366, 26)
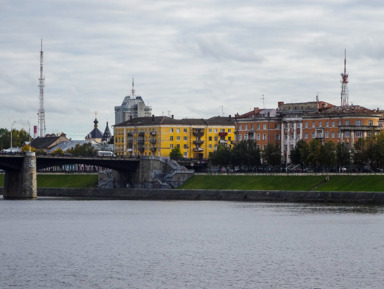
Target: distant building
(95, 135)
(48, 142)
(132, 107)
(158, 135)
(306, 121)
(107, 134)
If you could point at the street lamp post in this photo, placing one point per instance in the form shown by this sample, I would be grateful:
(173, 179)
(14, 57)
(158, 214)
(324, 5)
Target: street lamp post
(11, 133)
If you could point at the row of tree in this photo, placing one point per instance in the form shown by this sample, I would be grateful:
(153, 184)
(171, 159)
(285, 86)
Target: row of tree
(18, 138)
(366, 153)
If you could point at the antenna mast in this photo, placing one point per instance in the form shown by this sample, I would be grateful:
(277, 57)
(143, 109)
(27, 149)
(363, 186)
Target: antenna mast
(41, 113)
(133, 88)
(344, 83)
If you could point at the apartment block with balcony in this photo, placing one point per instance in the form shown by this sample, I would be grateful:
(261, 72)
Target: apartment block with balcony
(158, 135)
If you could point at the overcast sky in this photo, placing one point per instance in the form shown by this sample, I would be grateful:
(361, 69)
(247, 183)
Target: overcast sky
(194, 59)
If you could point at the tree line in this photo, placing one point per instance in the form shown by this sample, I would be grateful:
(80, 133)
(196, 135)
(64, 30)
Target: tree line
(18, 138)
(367, 154)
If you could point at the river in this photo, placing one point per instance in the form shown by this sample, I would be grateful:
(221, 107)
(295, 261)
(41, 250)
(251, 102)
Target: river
(64, 243)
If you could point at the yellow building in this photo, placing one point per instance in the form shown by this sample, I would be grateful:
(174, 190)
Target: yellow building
(158, 135)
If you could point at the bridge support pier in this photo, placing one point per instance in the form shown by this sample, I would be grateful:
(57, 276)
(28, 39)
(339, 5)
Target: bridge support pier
(22, 184)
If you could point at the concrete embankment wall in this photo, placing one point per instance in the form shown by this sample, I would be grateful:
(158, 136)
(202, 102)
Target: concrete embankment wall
(224, 195)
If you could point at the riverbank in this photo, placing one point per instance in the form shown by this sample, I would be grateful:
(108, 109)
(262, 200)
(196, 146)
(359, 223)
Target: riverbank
(283, 182)
(356, 198)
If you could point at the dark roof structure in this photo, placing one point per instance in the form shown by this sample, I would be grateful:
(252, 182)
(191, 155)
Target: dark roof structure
(95, 133)
(107, 134)
(48, 141)
(165, 120)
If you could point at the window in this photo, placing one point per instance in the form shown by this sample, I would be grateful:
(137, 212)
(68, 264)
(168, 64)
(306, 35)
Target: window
(370, 123)
(239, 137)
(264, 126)
(277, 125)
(185, 138)
(264, 136)
(347, 134)
(229, 130)
(210, 130)
(185, 130)
(215, 138)
(339, 123)
(264, 147)
(338, 135)
(333, 124)
(347, 122)
(222, 130)
(251, 126)
(229, 138)
(333, 135)
(178, 130)
(358, 134)
(358, 122)
(177, 138)
(320, 123)
(210, 138)
(185, 146)
(210, 146)
(245, 127)
(258, 126)
(240, 127)
(313, 124)
(306, 124)
(185, 154)
(326, 134)
(171, 146)
(313, 135)
(245, 137)
(171, 138)
(216, 130)
(327, 124)
(258, 137)
(277, 137)
(171, 130)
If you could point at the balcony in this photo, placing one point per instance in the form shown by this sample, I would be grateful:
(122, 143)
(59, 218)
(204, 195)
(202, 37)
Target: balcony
(153, 133)
(223, 134)
(141, 134)
(140, 142)
(198, 133)
(153, 141)
(129, 134)
(141, 148)
(153, 148)
(129, 144)
(198, 142)
(198, 150)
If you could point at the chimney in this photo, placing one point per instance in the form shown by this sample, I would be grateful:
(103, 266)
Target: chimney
(172, 116)
(280, 103)
(153, 117)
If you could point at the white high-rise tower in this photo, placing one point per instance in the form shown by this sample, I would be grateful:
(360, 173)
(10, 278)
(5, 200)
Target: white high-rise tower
(41, 113)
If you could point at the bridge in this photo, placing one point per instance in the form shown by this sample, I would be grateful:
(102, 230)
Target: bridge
(20, 171)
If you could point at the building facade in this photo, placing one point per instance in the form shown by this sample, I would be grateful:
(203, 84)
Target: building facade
(292, 122)
(158, 135)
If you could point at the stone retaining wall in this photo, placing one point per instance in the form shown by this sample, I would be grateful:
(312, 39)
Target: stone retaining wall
(376, 198)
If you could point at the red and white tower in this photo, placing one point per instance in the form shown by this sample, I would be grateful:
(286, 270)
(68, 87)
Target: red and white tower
(41, 113)
(344, 83)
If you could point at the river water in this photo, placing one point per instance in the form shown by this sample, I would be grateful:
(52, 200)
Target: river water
(63, 243)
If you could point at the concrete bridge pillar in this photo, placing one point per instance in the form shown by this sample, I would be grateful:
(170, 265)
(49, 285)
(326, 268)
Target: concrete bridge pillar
(22, 184)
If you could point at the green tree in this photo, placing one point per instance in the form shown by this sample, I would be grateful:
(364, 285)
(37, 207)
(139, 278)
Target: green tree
(83, 150)
(175, 153)
(18, 138)
(272, 155)
(343, 156)
(328, 155)
(221, 157)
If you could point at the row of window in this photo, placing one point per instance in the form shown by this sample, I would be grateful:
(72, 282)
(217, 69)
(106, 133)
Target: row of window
(257, 137)
(258, 126)
(347, 134)
(306, 124)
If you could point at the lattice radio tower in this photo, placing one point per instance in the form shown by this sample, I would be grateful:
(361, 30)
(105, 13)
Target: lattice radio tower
(344, 83)
(41, 113)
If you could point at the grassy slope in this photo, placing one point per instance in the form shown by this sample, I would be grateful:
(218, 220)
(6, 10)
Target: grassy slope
(292, 183)
(63, 181)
